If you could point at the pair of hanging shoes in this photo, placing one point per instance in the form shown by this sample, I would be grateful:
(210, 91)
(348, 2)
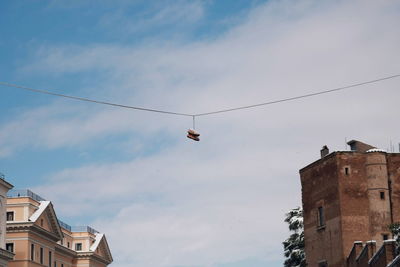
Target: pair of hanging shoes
(192, 134)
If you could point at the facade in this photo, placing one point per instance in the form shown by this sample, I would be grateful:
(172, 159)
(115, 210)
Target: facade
(5, 254)
(38, 238)
(349, 198)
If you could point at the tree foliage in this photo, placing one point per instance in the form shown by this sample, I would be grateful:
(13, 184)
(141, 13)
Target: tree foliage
(395, 229)
(294, 245)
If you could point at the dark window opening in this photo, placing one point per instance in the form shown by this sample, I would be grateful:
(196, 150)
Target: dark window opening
(10, 247)
(10, 216)
(385, 236)
(323, 264)
(78, 246)
(50, 259)
(346, 170)
(68, 245)
(41, 256)
(382, 194)
(41, 222)
(32, 252)
(321, 217)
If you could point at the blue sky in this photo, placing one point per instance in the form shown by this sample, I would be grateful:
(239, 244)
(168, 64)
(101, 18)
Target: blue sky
(161, 199)
(30, 25)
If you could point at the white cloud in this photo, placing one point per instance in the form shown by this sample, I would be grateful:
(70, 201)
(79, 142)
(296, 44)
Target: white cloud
(222, 199)
(160, 15)
(177, 211)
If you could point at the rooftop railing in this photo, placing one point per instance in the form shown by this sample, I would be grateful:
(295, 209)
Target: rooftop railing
(87, 229)
(81, 229)
(64, 225)
(25, 193)
(30, 194)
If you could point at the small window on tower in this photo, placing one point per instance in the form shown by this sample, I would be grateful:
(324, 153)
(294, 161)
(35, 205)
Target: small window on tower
(346, 170)
(323, 264)
(385, 236)
(382, 194)
(321, 217)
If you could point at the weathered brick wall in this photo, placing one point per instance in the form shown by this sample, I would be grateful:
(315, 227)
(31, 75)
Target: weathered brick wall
(360, 195)
(354, 203)
(393, 160)
(369, 257)
(355, 251)
(366, 254)
(320, 189)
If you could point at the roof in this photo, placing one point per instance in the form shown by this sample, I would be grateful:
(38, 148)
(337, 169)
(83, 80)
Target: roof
(47, 207)
(101, 239)
(5, 183)
(43, 205)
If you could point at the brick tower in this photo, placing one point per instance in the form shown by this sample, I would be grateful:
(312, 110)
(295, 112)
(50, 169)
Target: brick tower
(348, 196)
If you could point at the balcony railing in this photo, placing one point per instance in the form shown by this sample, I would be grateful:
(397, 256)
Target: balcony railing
(24, 193)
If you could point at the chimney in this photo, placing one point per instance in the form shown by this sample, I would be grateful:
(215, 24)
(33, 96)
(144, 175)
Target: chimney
(358, 146)
(324, 151)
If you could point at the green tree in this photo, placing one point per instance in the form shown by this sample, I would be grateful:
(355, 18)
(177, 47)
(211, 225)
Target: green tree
(294, 245)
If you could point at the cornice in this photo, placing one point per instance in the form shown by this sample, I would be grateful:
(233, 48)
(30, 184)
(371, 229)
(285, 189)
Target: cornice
(54, 221)
(29, 226)
(6, 184)
(18, 226)
(61, 249)
(91, 255)
(44, 232)
(108, 251)
(102, 260)
(6, 255)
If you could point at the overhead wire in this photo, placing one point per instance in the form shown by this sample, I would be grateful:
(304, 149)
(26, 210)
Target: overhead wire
(93, 100)
(193, 115)
(296, 97)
